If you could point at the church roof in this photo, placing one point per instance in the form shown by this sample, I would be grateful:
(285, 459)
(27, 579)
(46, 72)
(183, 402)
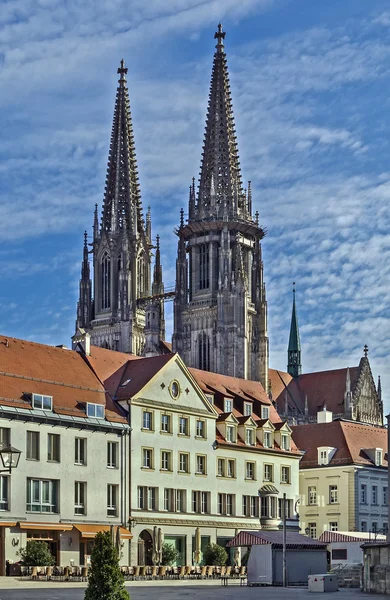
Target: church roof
(29, 368)
(348, 437)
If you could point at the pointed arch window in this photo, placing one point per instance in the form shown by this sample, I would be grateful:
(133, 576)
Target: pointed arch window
(106, 281)
(203, 266)
(204, 351)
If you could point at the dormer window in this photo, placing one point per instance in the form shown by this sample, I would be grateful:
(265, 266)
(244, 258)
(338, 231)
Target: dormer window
(230, 433)
(248, 409)
(325, 454)
(228, 406)
(378, 457)
(285, 442)
(42, 402)
(249, 437)
(95, 410)
(267, 440)
(210, 398)
(264, 412)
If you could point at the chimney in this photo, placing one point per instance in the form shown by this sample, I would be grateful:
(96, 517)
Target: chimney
(83, 338)
(324, 416)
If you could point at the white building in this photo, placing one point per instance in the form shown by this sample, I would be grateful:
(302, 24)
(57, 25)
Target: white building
(72, 478)
(207, 451)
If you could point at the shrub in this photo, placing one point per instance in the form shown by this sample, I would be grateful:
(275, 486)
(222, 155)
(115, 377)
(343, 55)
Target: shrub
(36, 554)
(105, 578)
(169, 554)
(214, 555)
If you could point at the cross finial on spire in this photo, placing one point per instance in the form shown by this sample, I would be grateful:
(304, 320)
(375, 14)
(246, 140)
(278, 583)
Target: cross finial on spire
(365, 350)
(85, 239)
(181, 218)
(122, 71)
(220, 36)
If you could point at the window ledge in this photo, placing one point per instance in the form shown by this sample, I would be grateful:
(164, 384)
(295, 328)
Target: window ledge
(184, 473)
(166, 471)
(147, 469)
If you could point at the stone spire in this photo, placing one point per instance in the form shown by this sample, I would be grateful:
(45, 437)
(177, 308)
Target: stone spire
(122, 199)
(157, 286)
(84, 305)
(294, 366)
(220, 175)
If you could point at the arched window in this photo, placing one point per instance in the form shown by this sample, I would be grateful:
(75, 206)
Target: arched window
(204, 351)
(106, 281)
(203, 266)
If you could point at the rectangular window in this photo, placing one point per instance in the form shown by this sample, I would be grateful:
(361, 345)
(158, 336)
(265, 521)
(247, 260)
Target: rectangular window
(231, 468)
(112, 455)
(183, 426)
(228, 405)
(166, 460)
(339, 554)
(249, 437)
(184, 463)
(166, 423)
(174, 500)
(32, 452)
(375, 494)
(80, 451)
(333, 497)
(285, 442)
(229, 504)
(80, 495)
(374, 527)
(250, 506)
(95, 410)
(248, 409)
(333, 526)
(200, 464)
(250, 470)
(385, 528)
(168, 499)
(147, 498)
(147, 420)
(384, 496)
(268, 473)
(4, 492)
(221, 467)
(112, 500)
(363, 526)
(5, 436)
(42, 495)
(285, 475)
(200, 429)
(363, 493)
(181, 501)
(201, 502)
(312, 529)
(288, 508)
(230, 433)
(147, 458)
(53, 447)
(264, 412)
(267, 439)
(42, 402)
(312, 495)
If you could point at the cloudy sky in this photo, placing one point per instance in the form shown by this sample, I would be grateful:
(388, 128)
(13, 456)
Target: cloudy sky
(310, 87)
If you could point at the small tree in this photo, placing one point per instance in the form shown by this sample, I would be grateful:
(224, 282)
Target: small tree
(36, 554)
(105, 578)
(169, 554)
(214, 555)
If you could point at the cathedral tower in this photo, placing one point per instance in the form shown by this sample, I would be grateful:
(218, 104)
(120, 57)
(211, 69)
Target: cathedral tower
(121, 246)
(220, 308)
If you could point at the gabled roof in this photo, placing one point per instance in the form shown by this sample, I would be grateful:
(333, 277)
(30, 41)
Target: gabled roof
(294, 540)
(349, 437)
(138, 373)
(27, 367)
(350, 536)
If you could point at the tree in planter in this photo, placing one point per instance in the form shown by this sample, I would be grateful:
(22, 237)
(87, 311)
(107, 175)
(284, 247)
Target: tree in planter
(105, 579)
(214, 555)
(36, 554)
(169, 554)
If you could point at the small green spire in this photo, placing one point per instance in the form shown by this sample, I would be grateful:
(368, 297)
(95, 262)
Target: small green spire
(294, 366)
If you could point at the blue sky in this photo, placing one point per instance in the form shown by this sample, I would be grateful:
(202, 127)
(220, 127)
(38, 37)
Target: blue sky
(310, 87)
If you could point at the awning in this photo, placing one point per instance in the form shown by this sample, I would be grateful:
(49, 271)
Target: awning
(89, 530)
(7, 523)
(47, 526)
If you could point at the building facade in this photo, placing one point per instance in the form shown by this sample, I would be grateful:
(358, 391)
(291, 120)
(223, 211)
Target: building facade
(207, 451)
(220, 308)
(72, 477)
(343, 476)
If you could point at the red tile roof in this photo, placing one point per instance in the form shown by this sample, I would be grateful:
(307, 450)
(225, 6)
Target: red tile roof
(27, 367)
(349, 437)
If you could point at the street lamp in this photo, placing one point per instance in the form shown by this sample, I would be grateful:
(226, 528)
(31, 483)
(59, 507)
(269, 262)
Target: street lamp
(10, 457)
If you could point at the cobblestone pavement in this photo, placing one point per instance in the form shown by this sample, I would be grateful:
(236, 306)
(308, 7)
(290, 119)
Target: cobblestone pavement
(187, 592)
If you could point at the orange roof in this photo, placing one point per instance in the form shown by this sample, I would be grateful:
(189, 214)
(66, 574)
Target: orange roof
(27, 367)
(138, 373)
(349, 437)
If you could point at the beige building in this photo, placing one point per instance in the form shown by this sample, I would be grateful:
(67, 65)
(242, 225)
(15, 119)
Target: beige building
(72, 477)
(207, 451)
(343, 476)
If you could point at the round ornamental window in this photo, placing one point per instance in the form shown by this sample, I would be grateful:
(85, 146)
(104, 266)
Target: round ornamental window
(174, 389)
